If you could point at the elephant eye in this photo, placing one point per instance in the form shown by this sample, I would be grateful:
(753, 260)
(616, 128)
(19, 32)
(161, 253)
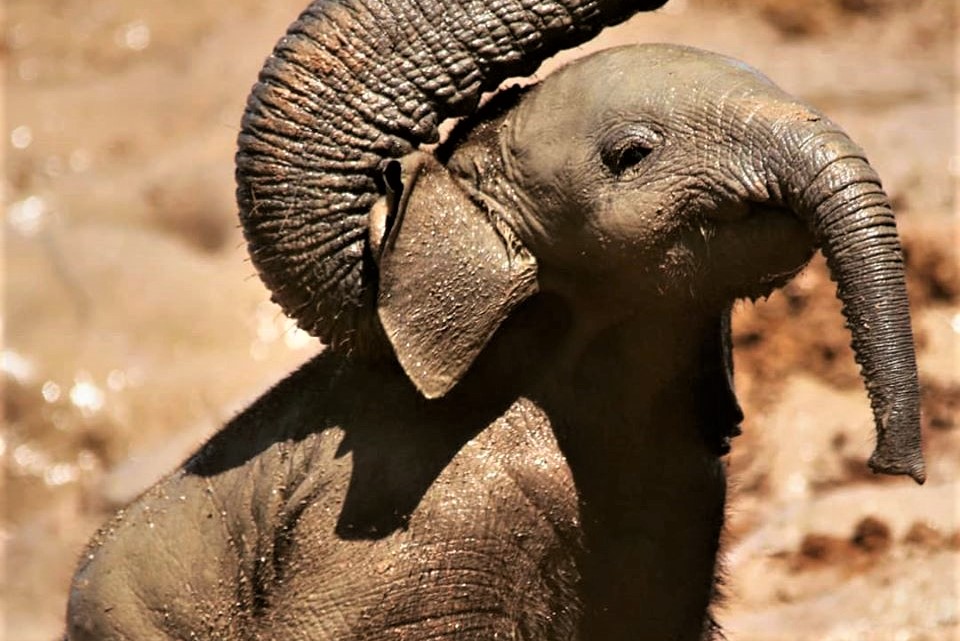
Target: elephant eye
(624, 150)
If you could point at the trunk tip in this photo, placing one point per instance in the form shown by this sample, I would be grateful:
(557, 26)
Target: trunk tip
(899, 442)
(910, 463)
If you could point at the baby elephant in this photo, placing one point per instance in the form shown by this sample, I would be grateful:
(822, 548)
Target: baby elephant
(518, 429)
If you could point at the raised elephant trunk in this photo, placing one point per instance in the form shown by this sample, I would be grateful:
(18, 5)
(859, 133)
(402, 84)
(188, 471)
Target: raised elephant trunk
(840, 194)
(353, 83)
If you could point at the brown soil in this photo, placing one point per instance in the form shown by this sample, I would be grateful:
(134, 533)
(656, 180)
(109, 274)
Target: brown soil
(134, 325)
(868, 542)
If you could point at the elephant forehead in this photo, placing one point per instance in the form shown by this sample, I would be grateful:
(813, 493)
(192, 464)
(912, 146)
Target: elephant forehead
(635, 80)
(652, 67)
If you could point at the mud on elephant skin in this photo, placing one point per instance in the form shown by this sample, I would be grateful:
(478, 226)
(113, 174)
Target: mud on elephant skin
(519, 427)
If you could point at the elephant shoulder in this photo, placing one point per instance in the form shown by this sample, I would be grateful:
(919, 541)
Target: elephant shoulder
(531, 457)
(511, 471)
(501, 516)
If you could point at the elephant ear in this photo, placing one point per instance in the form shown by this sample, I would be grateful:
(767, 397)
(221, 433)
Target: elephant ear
(450, 272)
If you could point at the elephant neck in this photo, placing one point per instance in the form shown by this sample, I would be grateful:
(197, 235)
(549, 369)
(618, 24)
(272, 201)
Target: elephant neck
(639, 397)
(637, 419)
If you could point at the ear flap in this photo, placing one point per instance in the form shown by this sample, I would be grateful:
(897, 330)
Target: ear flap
(449, 275)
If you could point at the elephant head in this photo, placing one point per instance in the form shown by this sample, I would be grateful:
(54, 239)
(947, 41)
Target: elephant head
(641, 171)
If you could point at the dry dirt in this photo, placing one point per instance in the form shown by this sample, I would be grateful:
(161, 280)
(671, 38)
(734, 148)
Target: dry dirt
(134, 326)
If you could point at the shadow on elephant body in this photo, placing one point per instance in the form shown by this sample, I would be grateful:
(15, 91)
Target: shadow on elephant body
(399, 441)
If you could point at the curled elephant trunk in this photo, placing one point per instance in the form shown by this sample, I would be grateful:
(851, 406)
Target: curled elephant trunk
(355, 82)
(840, 194)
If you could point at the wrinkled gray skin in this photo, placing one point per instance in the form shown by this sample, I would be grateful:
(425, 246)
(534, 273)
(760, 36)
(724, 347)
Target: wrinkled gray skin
(518, 431)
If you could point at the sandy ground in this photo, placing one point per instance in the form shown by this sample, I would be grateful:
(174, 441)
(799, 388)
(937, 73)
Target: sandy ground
(134, 325)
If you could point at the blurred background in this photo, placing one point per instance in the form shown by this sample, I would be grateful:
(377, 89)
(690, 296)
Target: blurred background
(134, 325)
